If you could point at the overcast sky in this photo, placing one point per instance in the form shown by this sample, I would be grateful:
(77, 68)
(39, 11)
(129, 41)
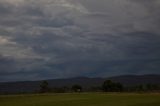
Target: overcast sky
(45, 39)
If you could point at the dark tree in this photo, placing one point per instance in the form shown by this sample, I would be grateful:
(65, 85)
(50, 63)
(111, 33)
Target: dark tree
(109, 86)
(44, 87)
(76, 88)
(119, 87)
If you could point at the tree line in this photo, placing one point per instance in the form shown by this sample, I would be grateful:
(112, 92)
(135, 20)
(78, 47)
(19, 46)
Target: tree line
(45, 88)
(107, 86)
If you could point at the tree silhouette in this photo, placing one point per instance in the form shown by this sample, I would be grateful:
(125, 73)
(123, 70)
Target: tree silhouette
(76, 88)
(44, 87)
(109, 86)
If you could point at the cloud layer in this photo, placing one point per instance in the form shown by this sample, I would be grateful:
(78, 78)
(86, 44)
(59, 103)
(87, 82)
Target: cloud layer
(67, 38)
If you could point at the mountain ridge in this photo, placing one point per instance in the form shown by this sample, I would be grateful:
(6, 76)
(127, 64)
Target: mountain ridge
(85, 82)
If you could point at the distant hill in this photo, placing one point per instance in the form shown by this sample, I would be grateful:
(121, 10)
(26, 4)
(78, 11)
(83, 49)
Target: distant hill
(85, 82)
(132, 80)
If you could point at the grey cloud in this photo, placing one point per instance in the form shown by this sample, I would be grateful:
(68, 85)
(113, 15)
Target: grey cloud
(6, 65)
(66, 38)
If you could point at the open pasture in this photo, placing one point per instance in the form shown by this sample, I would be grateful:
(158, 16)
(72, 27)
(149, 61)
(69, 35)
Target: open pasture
(82, 99)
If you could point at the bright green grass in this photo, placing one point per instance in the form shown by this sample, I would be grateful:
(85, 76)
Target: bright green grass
(84, 99)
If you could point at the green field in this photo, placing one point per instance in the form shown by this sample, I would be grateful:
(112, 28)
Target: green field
(82, 99)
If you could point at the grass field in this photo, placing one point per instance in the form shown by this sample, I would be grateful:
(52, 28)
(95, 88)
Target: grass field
(83, 99)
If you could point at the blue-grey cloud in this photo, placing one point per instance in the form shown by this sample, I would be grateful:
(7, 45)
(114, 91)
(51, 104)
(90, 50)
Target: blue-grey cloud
(68, 38)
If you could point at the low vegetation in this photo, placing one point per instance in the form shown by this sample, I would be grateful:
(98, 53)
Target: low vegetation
(82, 99)
(109, 94)
(107, 86)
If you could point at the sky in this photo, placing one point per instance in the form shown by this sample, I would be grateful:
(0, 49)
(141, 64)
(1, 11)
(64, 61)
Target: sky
(50, 39)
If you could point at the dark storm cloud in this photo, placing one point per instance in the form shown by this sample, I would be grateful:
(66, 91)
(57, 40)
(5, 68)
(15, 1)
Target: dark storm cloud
(67, 38)
(6, 65)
